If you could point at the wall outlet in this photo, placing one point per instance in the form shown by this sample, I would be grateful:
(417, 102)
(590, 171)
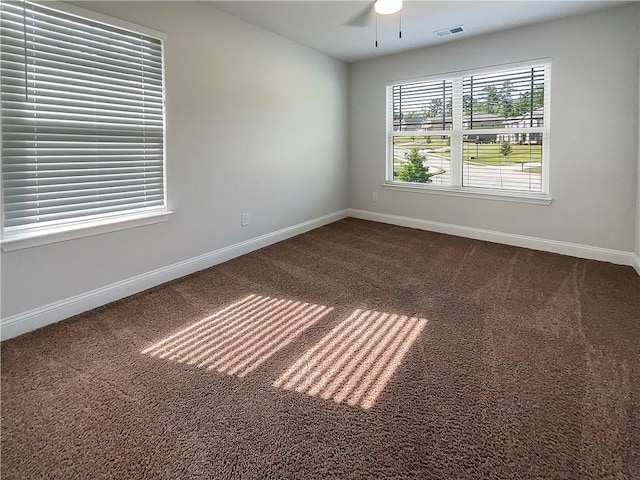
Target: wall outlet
(375, 196)
(244, 219)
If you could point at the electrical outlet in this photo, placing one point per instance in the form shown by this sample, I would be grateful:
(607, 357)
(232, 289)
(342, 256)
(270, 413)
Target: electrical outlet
(244, 219)
(375, 196)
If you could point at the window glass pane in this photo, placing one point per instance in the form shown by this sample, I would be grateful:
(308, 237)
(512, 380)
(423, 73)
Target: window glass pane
(512, 99)
(422, 159)
(503, 161)
(423, 106)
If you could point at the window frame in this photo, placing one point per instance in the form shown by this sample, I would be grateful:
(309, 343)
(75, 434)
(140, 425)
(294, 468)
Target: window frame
(80, 227)
(456, 133)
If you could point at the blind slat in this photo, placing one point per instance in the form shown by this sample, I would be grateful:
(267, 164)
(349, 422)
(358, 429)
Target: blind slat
(83, 183)
(77, 203)
(27, 198)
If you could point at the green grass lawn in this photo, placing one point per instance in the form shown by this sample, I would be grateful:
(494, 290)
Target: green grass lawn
(489, 153)
(434, 143)
(421, 142)
(483, 154)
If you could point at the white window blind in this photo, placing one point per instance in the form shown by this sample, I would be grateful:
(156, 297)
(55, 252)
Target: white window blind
(485, 129)
(425, 105)
(82, 119)
(516, 97)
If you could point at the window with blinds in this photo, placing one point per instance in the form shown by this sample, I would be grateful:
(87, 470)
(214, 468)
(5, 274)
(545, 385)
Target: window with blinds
(485, 129)
(419, 108)
(82, 120)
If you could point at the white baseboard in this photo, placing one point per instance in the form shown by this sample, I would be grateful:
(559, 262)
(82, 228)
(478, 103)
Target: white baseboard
(54, 312)
(565, 248)
(636, 263)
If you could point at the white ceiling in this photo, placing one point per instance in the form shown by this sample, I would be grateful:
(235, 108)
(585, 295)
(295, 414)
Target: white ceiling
(323, 25)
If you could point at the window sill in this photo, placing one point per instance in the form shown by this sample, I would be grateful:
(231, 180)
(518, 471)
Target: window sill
(519, 197)
(81, 230)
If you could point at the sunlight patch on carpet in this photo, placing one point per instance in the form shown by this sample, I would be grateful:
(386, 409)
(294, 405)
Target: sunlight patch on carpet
(354, 362)
(238, 339)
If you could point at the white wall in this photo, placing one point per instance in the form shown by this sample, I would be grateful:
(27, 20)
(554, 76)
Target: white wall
(255, 124)
(594, 130)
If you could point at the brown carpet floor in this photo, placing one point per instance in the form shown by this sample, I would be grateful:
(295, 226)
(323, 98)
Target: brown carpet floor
(357, 350)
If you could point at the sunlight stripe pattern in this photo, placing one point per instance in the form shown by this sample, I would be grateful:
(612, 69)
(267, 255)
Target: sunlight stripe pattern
(238, 339)
(354, 362)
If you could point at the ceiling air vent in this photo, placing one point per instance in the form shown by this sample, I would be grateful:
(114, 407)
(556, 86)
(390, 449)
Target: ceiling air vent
(449, 31)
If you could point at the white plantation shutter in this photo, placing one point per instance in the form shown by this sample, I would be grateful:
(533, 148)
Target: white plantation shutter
(82, 119)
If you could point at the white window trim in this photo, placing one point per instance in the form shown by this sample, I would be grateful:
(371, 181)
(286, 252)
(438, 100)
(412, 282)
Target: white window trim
(456, 189)
(471, 192)
(81, 230)
(86, 228)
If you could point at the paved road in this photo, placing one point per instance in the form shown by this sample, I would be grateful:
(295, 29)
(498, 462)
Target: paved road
(509, 177)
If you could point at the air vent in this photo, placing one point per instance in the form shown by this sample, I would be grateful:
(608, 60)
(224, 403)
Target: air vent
(449, 31)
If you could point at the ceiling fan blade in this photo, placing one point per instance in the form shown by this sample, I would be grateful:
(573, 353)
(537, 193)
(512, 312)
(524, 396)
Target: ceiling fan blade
(362, 18)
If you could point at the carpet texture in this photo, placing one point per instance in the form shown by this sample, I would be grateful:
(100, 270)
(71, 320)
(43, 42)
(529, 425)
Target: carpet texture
(357, 350)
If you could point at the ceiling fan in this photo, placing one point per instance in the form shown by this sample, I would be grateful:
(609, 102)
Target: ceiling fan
(380, 7)
(375, 8)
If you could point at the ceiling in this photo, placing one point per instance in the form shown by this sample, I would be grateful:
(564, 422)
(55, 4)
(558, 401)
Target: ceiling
(324, 25)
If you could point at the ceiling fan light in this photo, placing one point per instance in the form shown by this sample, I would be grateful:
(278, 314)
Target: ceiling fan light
(387, 7)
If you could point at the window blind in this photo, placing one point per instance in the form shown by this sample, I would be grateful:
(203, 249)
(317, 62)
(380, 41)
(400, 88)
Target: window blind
(82, 119)
(515, 98)
(423, 106)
